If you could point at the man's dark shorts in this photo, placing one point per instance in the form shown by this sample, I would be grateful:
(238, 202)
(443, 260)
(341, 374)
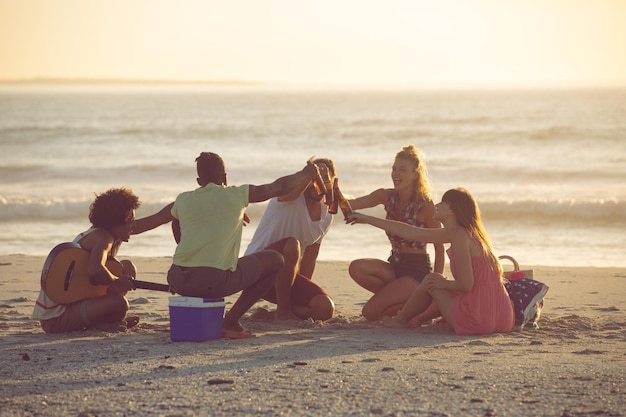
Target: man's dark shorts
(208, 282)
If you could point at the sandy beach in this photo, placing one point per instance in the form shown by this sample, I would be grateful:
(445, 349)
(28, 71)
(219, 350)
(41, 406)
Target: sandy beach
(573, 365)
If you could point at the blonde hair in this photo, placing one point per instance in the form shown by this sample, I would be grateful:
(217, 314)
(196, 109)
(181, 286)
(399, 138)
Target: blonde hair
(467, 214)
(422, 185)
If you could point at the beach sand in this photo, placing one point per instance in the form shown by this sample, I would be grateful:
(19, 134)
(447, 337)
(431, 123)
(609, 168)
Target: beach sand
(573, 365)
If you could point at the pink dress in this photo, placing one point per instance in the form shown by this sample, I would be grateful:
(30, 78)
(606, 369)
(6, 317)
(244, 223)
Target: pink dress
(487, 308)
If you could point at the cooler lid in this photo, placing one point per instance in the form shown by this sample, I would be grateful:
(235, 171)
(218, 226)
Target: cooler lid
(199, 302)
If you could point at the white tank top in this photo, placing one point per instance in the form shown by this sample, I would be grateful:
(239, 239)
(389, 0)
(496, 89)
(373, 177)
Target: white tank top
(289, 219)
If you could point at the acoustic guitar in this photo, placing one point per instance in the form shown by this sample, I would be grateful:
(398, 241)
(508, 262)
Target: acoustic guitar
(65, 277)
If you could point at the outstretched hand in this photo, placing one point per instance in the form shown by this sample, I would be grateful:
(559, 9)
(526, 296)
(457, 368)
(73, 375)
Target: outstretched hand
(314, 171)
(356, 217)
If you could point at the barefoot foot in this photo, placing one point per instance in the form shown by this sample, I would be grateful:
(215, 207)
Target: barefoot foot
(236, 333)
(394, 322)
(262, 314)
(285, 316)
(131, 321)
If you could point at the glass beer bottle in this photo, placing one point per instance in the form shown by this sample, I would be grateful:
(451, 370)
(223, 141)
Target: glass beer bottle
(345, 207)
(320, 187)
(333, 207)
(320, 190)
(329, 196)
(341, 200)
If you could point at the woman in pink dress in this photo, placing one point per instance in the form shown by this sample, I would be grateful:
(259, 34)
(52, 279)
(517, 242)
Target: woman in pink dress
(475, 301)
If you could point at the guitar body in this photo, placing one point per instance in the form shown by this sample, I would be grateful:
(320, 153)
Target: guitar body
(65, 276)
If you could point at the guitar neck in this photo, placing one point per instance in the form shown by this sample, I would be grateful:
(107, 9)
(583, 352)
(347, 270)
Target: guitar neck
(145, 285)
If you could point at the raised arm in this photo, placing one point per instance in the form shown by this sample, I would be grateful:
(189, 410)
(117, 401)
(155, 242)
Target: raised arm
(405, 231)
(155, 220)
(283, 185)
(372, 199)
(431, 223)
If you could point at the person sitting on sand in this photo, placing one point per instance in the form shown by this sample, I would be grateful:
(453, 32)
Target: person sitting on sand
(408, 201)
(294, 224)
(475, 302)
(112, 216)
(207, 227)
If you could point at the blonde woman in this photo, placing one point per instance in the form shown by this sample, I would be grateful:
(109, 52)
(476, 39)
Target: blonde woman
(409, 201)
(474, 302)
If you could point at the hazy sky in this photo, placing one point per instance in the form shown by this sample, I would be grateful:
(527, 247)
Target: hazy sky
(409, 42)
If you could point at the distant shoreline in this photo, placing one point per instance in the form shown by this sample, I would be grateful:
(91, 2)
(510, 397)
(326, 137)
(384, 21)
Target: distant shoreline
(124, 81)
(45, 81)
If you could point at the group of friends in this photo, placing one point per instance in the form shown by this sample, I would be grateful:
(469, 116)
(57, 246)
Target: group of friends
(408, 289)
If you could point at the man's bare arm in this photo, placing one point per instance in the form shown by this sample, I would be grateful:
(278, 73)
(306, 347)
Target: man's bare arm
(155, 220)
(283, 185)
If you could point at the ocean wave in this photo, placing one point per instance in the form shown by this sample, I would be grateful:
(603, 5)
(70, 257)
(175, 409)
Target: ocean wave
(147, 173)
(77, 209)
(565, 211)
(556, 211)
(441, 169)
(22, 208)
(553, 133)
(517, 170)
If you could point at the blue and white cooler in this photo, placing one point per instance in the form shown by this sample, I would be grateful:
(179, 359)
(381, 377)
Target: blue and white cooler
(195, 319)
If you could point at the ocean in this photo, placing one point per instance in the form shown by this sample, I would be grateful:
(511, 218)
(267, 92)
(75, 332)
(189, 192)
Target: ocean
(547, 167)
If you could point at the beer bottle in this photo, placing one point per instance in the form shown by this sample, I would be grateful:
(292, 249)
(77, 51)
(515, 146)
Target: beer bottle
(318, 184)
(320, 189)
(329, 196)
(345, 207)
(333, 207)
(343, 203)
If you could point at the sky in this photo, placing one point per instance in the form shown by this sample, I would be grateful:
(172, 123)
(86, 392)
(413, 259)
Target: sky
(436, 43)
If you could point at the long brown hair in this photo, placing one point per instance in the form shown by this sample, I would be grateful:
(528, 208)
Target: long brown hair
(422, 186)
(467, 214)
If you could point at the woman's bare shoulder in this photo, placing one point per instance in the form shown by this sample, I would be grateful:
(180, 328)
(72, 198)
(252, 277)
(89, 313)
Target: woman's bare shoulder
(458, 235)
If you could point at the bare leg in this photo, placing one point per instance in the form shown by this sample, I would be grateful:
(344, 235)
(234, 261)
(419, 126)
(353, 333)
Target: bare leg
(431, 312)
(321, 307)
(109, 308)
(283, 282)
(108, 313)
(129, 268)
(389, 299)
(371, 274)
(270, 263)
(417, 303)
(443, 299)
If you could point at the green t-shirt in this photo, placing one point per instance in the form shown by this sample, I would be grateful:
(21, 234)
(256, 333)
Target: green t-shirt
(211, 222)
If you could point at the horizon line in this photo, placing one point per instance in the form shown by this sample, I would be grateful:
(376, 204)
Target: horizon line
(103, 80)
(237, 82)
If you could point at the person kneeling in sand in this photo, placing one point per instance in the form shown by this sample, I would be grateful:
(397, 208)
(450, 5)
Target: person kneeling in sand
(112, 216)
(294, 224)
(475, 302)
(207, 226)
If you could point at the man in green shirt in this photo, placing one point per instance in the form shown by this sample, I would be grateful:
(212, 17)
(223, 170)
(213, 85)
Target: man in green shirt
(207, 225)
